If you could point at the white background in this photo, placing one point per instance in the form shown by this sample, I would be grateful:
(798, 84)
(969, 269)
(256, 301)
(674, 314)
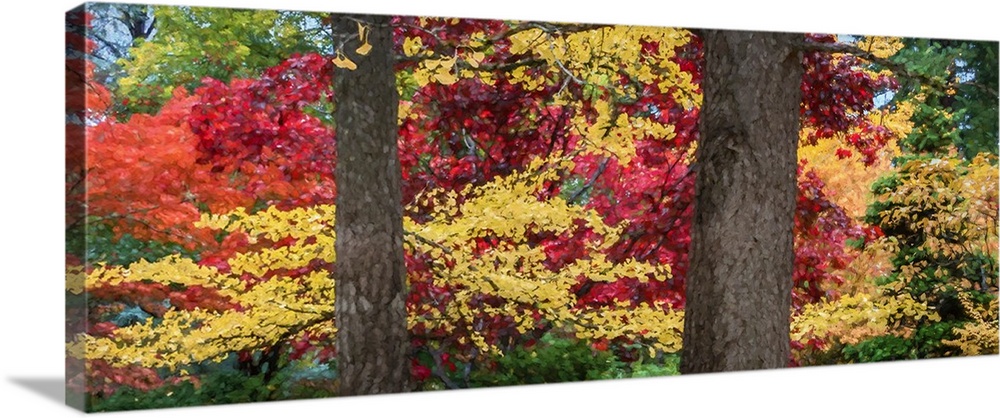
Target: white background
(31, 238)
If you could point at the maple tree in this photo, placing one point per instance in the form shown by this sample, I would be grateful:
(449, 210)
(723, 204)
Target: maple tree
(548, 177)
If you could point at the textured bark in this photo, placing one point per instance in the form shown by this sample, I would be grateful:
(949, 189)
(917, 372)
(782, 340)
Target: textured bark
(742, 255)
(369, 273)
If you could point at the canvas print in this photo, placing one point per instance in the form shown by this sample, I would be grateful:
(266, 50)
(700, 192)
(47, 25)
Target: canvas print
(273, 205)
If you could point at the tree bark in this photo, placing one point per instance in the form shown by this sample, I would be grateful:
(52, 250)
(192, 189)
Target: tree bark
(370, 273)
(742, 254)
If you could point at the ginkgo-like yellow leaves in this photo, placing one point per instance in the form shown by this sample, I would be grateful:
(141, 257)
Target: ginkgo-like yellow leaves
(341, 61)
(594, 57)
(365, 47)
(880, 46)
(978, 336)
(661, 327)
(507, 208)
(278, 307)
(412, 46)
(475, 58)
(853, 318)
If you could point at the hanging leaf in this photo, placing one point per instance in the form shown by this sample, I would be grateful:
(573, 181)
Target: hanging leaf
(364, 49)
(445, 77)
(362, 32)
(343, 62)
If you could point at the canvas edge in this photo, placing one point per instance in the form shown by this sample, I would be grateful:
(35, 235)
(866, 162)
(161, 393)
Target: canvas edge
(76, 212)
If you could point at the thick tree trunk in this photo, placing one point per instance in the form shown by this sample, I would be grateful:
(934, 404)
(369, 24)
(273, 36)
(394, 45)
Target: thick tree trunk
(369, 273)
(742, 255)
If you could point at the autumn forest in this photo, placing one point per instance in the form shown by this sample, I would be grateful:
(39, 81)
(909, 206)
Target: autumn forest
(268, 205)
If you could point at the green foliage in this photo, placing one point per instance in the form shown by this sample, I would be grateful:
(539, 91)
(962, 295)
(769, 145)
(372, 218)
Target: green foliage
(979, 59)
(668, 365)
(926, 342)
(214, 389)
(224, 384)
(557, 359)
(103, 247)
(671, 368)
(552, 360)
(882, 348)
(191, 43)
(960, 106)
(575, 190)
(939, 214)
(884, 184)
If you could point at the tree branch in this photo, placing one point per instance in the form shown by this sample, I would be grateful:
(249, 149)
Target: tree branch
(895, 67)
(600, 170)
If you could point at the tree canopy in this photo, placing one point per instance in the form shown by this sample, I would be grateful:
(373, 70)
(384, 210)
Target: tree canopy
(548, 175)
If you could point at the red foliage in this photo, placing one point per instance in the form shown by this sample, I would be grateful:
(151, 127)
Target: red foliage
(228, 146)
(142, 177)
(821, 232)
(260, 130)
(836, 94)
(256, 142)
(103, 379)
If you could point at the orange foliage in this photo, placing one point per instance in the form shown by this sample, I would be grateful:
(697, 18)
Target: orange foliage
(142, 175)
(847, 179)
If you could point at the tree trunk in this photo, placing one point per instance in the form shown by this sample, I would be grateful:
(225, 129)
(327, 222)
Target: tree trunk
(369, 272)
(742, 254)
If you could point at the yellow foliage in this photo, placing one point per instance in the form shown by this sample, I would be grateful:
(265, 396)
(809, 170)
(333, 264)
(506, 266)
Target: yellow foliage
(184, 337)
(76, 279)
(981, 184)
(280, 307)
(880, 46)
(852, 318)
(848, 179)
(663, 328)
(962, 201)
(615, 135)
(170, 270)
(271, 310)
(507, 209)
(982, 335)
(596, 59)
(874, 261)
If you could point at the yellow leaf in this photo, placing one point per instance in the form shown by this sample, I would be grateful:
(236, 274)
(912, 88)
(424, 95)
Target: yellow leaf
(343, 62)
(364, 49)
(411, 46)
(445, 77)
(476, 58)
(362, 33)
(448, 63)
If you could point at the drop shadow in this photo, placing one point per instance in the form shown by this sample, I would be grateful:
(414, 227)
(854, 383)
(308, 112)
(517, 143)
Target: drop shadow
(52, 388)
